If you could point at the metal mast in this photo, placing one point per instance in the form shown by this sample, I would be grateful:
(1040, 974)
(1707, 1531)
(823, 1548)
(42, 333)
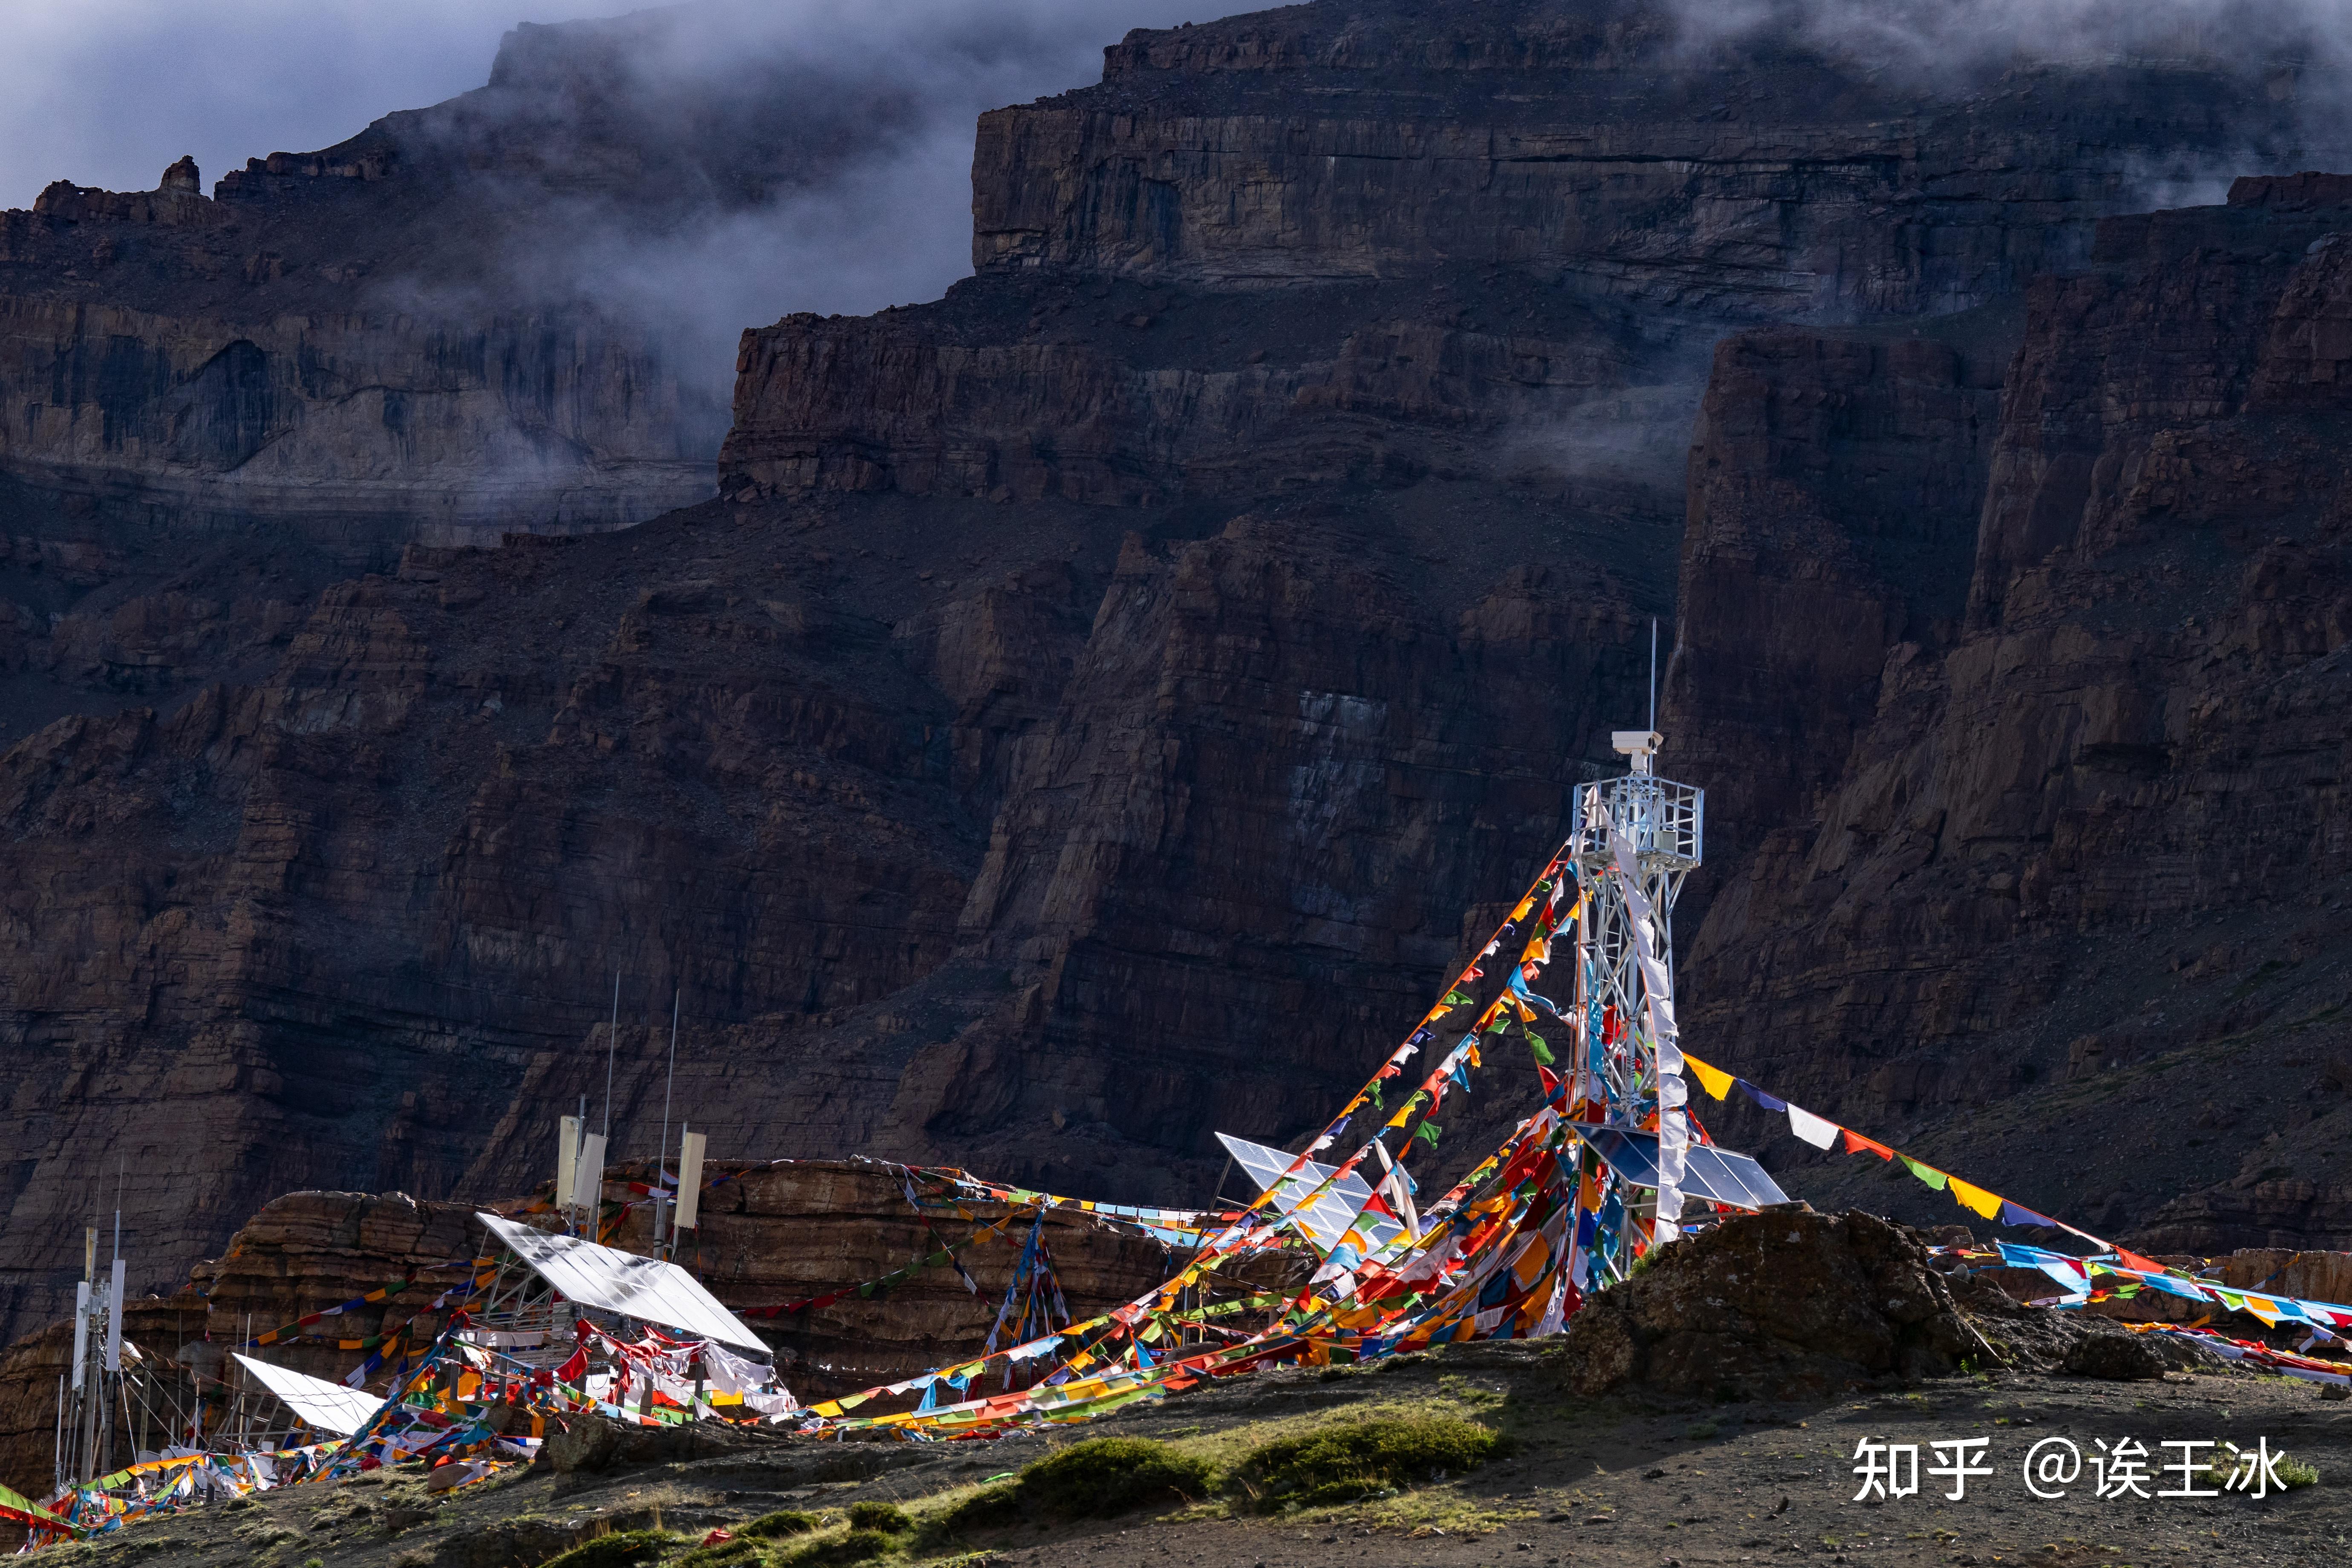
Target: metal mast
(1636, 838)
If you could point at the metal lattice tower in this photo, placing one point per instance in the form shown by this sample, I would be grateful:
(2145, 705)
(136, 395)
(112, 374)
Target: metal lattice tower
(1617, 1078)
(1663, 821)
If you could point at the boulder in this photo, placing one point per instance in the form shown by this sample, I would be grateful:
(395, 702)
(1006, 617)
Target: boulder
(1782, 1304)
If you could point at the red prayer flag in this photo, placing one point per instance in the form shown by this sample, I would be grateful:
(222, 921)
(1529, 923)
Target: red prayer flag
(1855, 1142)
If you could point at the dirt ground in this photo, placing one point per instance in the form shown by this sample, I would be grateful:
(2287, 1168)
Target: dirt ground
(1632, 1481)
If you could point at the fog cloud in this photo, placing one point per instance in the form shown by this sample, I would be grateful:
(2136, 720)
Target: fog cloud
(853, 189)
(861, 200)
(1935, 37)
(107, 92)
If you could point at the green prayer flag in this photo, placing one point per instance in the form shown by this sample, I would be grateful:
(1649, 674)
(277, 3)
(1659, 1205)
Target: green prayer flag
(1454, 999)
(1429, 1130)
(1542, 1052)
(1933, 1178)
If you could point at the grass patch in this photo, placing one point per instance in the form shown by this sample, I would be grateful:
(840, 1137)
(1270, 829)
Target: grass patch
(783, 1522)
(1096, 1479)
(885, 1517)
(1106, 1476)
(990, 1508)
(2293, 1472)
(1353, 1459)
(856, 1546)
(726, 1554)
(621, 1549)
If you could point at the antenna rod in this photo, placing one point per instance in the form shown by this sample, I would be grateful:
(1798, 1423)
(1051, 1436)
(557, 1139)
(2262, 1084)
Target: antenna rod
(1654, 672)
(661, 1149)
(611, 1037)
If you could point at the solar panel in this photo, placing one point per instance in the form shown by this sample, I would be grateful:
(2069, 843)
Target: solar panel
(328, 1407)
(646, 1288)
(1325, 1220)
(1715, 1174)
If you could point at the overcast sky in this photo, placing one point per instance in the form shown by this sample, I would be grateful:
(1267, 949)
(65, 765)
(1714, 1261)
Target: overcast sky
(107, 92)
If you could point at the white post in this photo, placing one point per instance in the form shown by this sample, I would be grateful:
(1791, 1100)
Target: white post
(567, 1161)
(114, 1318)
(588, 1181)
(689, 1178)
(81, 1333)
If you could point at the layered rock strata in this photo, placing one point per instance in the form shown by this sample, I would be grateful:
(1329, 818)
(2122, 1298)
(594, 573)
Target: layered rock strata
(422, 332)
(961, 823)
(1359, 241)
(909, 847)
(2075, 851)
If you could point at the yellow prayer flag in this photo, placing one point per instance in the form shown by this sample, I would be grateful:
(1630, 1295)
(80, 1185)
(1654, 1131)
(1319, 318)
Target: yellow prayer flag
(1975, 1198)
(1713, 1080)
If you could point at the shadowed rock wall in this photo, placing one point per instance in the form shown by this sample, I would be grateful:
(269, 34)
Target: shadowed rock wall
(2072, 890)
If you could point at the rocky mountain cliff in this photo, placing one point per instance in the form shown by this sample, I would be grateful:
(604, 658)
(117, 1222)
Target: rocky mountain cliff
(1101, 703)
(2066, 875)
(467, 320)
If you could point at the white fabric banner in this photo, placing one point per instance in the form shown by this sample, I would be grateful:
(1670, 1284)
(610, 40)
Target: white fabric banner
(1813, 1128)
(1658, 991)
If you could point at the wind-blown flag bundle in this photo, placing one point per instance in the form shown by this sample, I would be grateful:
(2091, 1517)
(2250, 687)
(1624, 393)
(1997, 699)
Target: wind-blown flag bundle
(1609, 1164)
(1337, 1259)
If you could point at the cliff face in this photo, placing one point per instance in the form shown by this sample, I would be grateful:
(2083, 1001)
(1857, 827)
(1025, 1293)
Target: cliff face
(913, 846)
(468, 320)
(2066, 877)
(1355, 241)
(356, 430)
(1104, 702)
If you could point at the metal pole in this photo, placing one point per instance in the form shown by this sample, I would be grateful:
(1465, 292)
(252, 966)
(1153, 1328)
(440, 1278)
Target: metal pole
(572, 1214)
(611, 1037)
(661, 1151)
(1654, 672)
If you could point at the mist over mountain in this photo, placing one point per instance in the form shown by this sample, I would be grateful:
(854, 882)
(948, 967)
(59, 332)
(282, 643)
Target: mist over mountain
(1047, 583)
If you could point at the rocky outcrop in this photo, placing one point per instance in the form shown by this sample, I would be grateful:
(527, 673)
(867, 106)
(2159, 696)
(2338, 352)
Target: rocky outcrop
(1019, 387)
(1835, 480)
(1782, 1305)
(1597, 145)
